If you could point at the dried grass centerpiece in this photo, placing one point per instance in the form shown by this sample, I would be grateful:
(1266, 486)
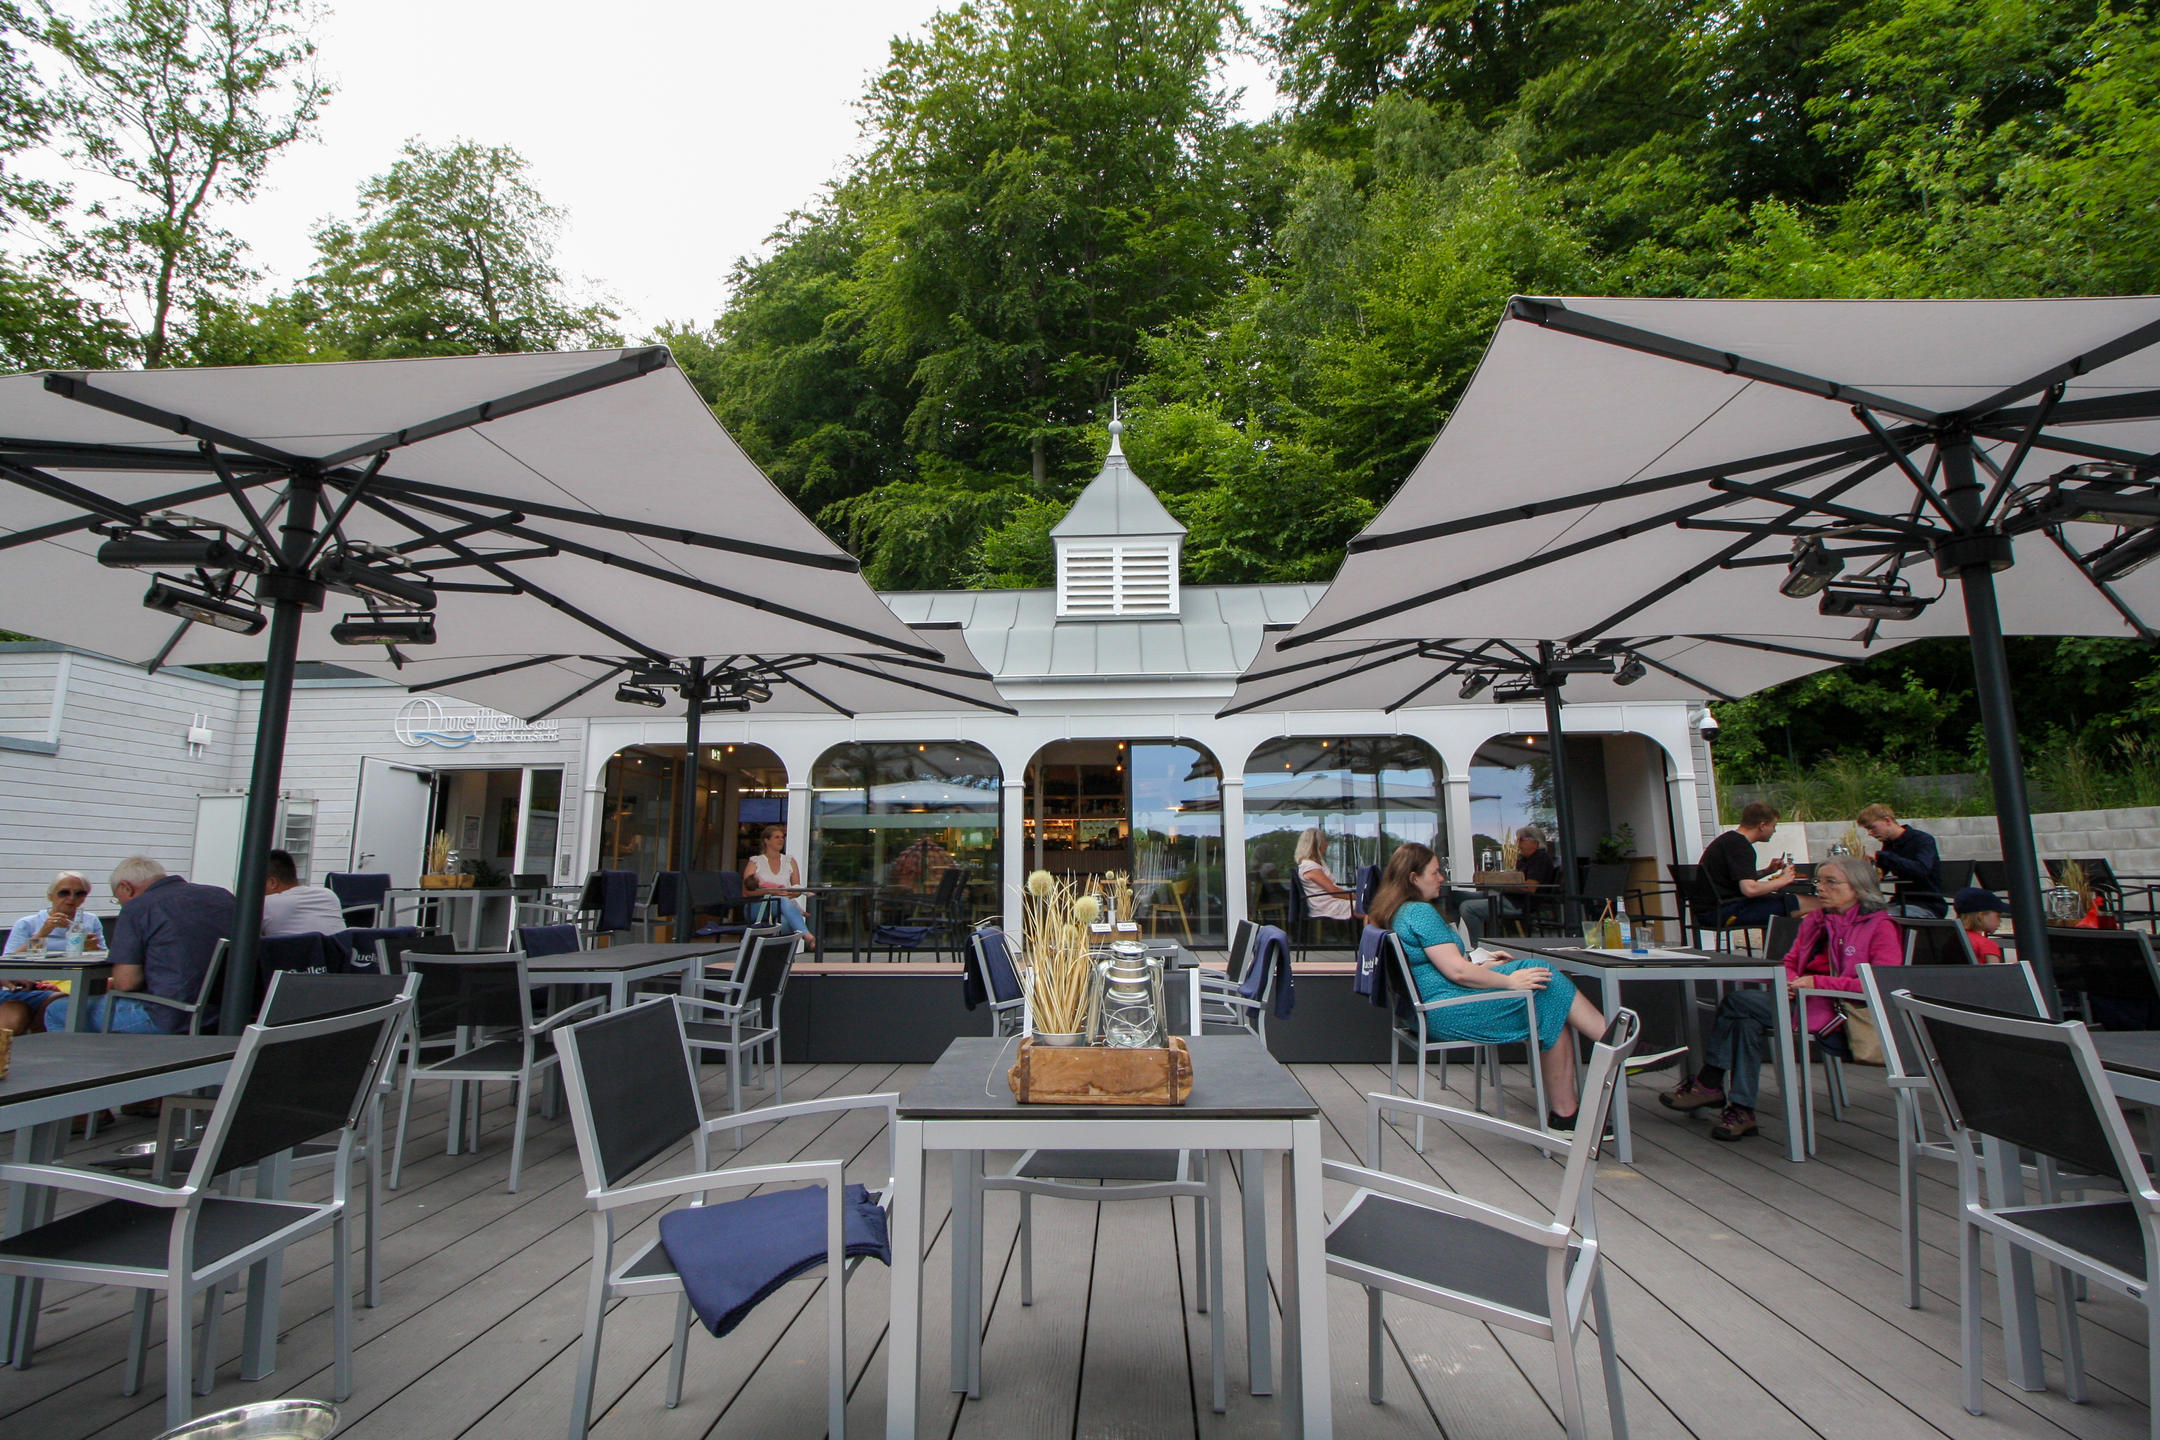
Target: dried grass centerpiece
(1054, 949)
(437, 876)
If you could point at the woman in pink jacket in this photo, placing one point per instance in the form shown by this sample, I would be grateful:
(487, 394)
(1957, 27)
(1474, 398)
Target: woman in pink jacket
(1852, 929)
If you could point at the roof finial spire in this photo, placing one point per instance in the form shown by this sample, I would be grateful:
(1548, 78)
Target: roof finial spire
(1117, 428)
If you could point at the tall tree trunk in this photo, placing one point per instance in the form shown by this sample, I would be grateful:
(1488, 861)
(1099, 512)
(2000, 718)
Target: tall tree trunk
(1042, 462)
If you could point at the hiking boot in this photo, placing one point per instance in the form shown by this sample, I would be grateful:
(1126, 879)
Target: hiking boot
(1690, 1094)
(1737, 1123)
(1655, 1060)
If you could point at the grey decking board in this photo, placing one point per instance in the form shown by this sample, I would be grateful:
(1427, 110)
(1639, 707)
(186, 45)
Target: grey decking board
(1136, 1374)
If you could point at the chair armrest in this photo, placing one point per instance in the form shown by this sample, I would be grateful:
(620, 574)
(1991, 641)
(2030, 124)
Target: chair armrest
(1447, 1202)
(888, 1100)
(576, 1012)
(185, 1007)
(1429, 1006)
(829, 1172)
(98, 1182)
(1377, 1104)
(724, 1009)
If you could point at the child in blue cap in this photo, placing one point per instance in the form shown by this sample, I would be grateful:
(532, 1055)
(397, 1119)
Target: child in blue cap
(1980, 912)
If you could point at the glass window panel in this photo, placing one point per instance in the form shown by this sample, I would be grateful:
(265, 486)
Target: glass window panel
(1368, 794)
(1177, 841)
(1510, 787)
(901, 814)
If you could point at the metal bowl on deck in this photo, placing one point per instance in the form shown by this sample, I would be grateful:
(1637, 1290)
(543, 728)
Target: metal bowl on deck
(267, 1420)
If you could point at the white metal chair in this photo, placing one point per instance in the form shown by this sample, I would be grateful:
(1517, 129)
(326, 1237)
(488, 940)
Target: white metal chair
(740, 1017)
(2010, 989)
(1408, 1031)
(989, 955)
(488, 999)
(2037, 1085)
(1223, 1001)
(1537, 1274)
(632, 1085)
(288, 1085)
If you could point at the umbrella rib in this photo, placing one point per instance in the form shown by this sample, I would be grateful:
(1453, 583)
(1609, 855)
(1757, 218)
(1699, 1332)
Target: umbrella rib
(846, 664)
(2122, 608)
(1835, 451)
(1553, 315)
(510, 577)
(1227, 711)
(2009, 470)
(1299, 667)
(1425, 685)
(2092, 410)
(577, 694)
(172, 642)
(490, 671)
(1808, 503)
(630, 366)
(641, 528)
(1904, 463)
(538, 552)
(77, 387)
(1701, 568)
(239, 498)
(58, 528)
(1656, 664)
(827, 701)
(335, 527)
(672, 577)
(2083, 449)
(1770, 646)
(2142, 337)
(52, 487)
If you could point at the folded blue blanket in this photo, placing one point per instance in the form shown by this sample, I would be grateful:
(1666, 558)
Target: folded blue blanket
(734, 1254)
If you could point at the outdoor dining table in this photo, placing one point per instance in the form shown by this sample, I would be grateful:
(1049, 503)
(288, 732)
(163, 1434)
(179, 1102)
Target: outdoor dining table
(857, 901)
(1614, 968)
(622, 968)
(394, 899)
(51, 1079)
(1242, 1099)
(79, 970)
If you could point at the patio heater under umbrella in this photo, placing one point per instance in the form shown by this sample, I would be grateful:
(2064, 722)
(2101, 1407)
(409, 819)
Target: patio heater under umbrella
(579, 686)
(540, 503)
(1389, 675)
(1865, 453)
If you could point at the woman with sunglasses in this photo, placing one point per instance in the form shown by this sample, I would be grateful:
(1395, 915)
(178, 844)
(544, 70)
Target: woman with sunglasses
(23, 1002)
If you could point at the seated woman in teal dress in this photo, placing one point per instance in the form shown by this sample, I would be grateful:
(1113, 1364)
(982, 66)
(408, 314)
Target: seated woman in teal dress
(1443, 970)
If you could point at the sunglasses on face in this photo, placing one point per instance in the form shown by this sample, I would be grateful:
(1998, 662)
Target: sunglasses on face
(65, 894)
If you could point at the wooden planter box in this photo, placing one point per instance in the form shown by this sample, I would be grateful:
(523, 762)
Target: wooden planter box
(1098, 1075)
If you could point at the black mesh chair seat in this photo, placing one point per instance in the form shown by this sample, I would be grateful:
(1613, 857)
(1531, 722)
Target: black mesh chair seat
(1445, 1251)
(651, 1263)
(1144, 1166)
(2107, 1230)
(497, 1057)
(121, 1232)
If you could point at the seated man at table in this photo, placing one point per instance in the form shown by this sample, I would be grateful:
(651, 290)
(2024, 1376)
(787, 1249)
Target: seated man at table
(1538, 866)
(45, 932)
(1748, 895)
(162, 943)
(1909, 860)
(291, 908)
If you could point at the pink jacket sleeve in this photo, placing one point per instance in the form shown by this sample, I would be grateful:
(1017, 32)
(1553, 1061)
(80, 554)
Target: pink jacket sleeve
(1884, 947)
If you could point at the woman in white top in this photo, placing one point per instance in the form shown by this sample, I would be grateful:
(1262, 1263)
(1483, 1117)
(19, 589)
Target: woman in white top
(773, 875)
(23, 1001)
(1323, 896)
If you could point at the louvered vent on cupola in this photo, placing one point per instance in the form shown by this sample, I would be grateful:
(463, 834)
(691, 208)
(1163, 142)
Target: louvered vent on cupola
(1117, 548)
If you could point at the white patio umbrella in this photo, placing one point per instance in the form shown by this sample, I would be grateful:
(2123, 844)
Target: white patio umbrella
(624, 686)
(1789, 467)
(1390, 675)
(527, 504)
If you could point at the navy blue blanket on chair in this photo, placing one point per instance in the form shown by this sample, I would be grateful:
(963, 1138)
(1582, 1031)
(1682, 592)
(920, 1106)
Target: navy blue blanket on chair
(1271, 950)
(618, 899)
(734, 1254)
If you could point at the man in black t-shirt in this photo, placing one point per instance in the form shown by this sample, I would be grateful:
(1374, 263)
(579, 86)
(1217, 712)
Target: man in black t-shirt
(1748, 896)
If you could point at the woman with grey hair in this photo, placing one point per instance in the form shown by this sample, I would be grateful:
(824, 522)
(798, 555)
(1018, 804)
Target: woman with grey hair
(23, 1002)
(1850, 930)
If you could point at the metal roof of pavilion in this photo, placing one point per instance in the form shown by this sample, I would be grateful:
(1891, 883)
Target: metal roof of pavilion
(1116, 503)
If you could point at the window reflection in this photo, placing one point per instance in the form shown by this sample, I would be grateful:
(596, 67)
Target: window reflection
(1367, 794)
(1510, 787)
(902, 814)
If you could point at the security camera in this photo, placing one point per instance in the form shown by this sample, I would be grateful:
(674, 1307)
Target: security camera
(1706, 723)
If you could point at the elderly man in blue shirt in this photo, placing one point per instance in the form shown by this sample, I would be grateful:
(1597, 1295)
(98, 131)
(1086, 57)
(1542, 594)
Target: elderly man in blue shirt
(161, 945)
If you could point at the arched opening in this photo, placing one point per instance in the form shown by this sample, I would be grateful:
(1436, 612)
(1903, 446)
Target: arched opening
(741, 788)
(1151, 809)
(899, 814)
(1510, 787)
(1366, 793)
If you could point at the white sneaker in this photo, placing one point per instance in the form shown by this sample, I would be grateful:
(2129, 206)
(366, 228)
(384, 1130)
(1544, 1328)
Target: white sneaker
(1655, 1060)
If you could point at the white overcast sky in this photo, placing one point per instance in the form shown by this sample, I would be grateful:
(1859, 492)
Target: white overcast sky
(675, 134)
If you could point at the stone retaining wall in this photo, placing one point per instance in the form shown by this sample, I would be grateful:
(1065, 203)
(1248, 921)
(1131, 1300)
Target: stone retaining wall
(2130, 839)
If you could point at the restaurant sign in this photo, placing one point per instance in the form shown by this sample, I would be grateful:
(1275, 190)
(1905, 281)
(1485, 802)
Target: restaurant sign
(425, 722)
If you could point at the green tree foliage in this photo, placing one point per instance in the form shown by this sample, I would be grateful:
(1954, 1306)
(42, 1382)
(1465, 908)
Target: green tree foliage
(180, 104)
(452, 253)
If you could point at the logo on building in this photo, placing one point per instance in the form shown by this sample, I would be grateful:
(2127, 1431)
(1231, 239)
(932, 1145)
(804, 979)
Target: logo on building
(424, 721)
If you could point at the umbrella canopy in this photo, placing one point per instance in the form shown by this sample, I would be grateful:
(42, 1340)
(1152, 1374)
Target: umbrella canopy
(1634, 467)
(1390, 675)
(595, 483)
(1796, 467)
(527, 504)
(584, 686)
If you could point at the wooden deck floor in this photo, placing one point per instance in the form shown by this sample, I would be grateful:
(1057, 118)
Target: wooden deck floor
(1753, 1298)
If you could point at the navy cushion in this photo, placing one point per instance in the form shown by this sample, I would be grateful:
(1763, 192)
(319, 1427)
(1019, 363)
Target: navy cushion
(734, 1254)
(548, 939)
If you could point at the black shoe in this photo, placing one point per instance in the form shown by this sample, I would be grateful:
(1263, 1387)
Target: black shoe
(1564, 1125)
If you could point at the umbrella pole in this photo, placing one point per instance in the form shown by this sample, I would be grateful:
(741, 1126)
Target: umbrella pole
(1563, 802)
(290, 589)
(2006, 770)
(686, 816)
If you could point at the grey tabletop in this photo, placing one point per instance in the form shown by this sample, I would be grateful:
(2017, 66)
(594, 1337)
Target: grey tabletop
(1234, 1078)
(94, 960)
(56, 1063)
(627, 957)
(2134, 1052)
(1669, 955)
